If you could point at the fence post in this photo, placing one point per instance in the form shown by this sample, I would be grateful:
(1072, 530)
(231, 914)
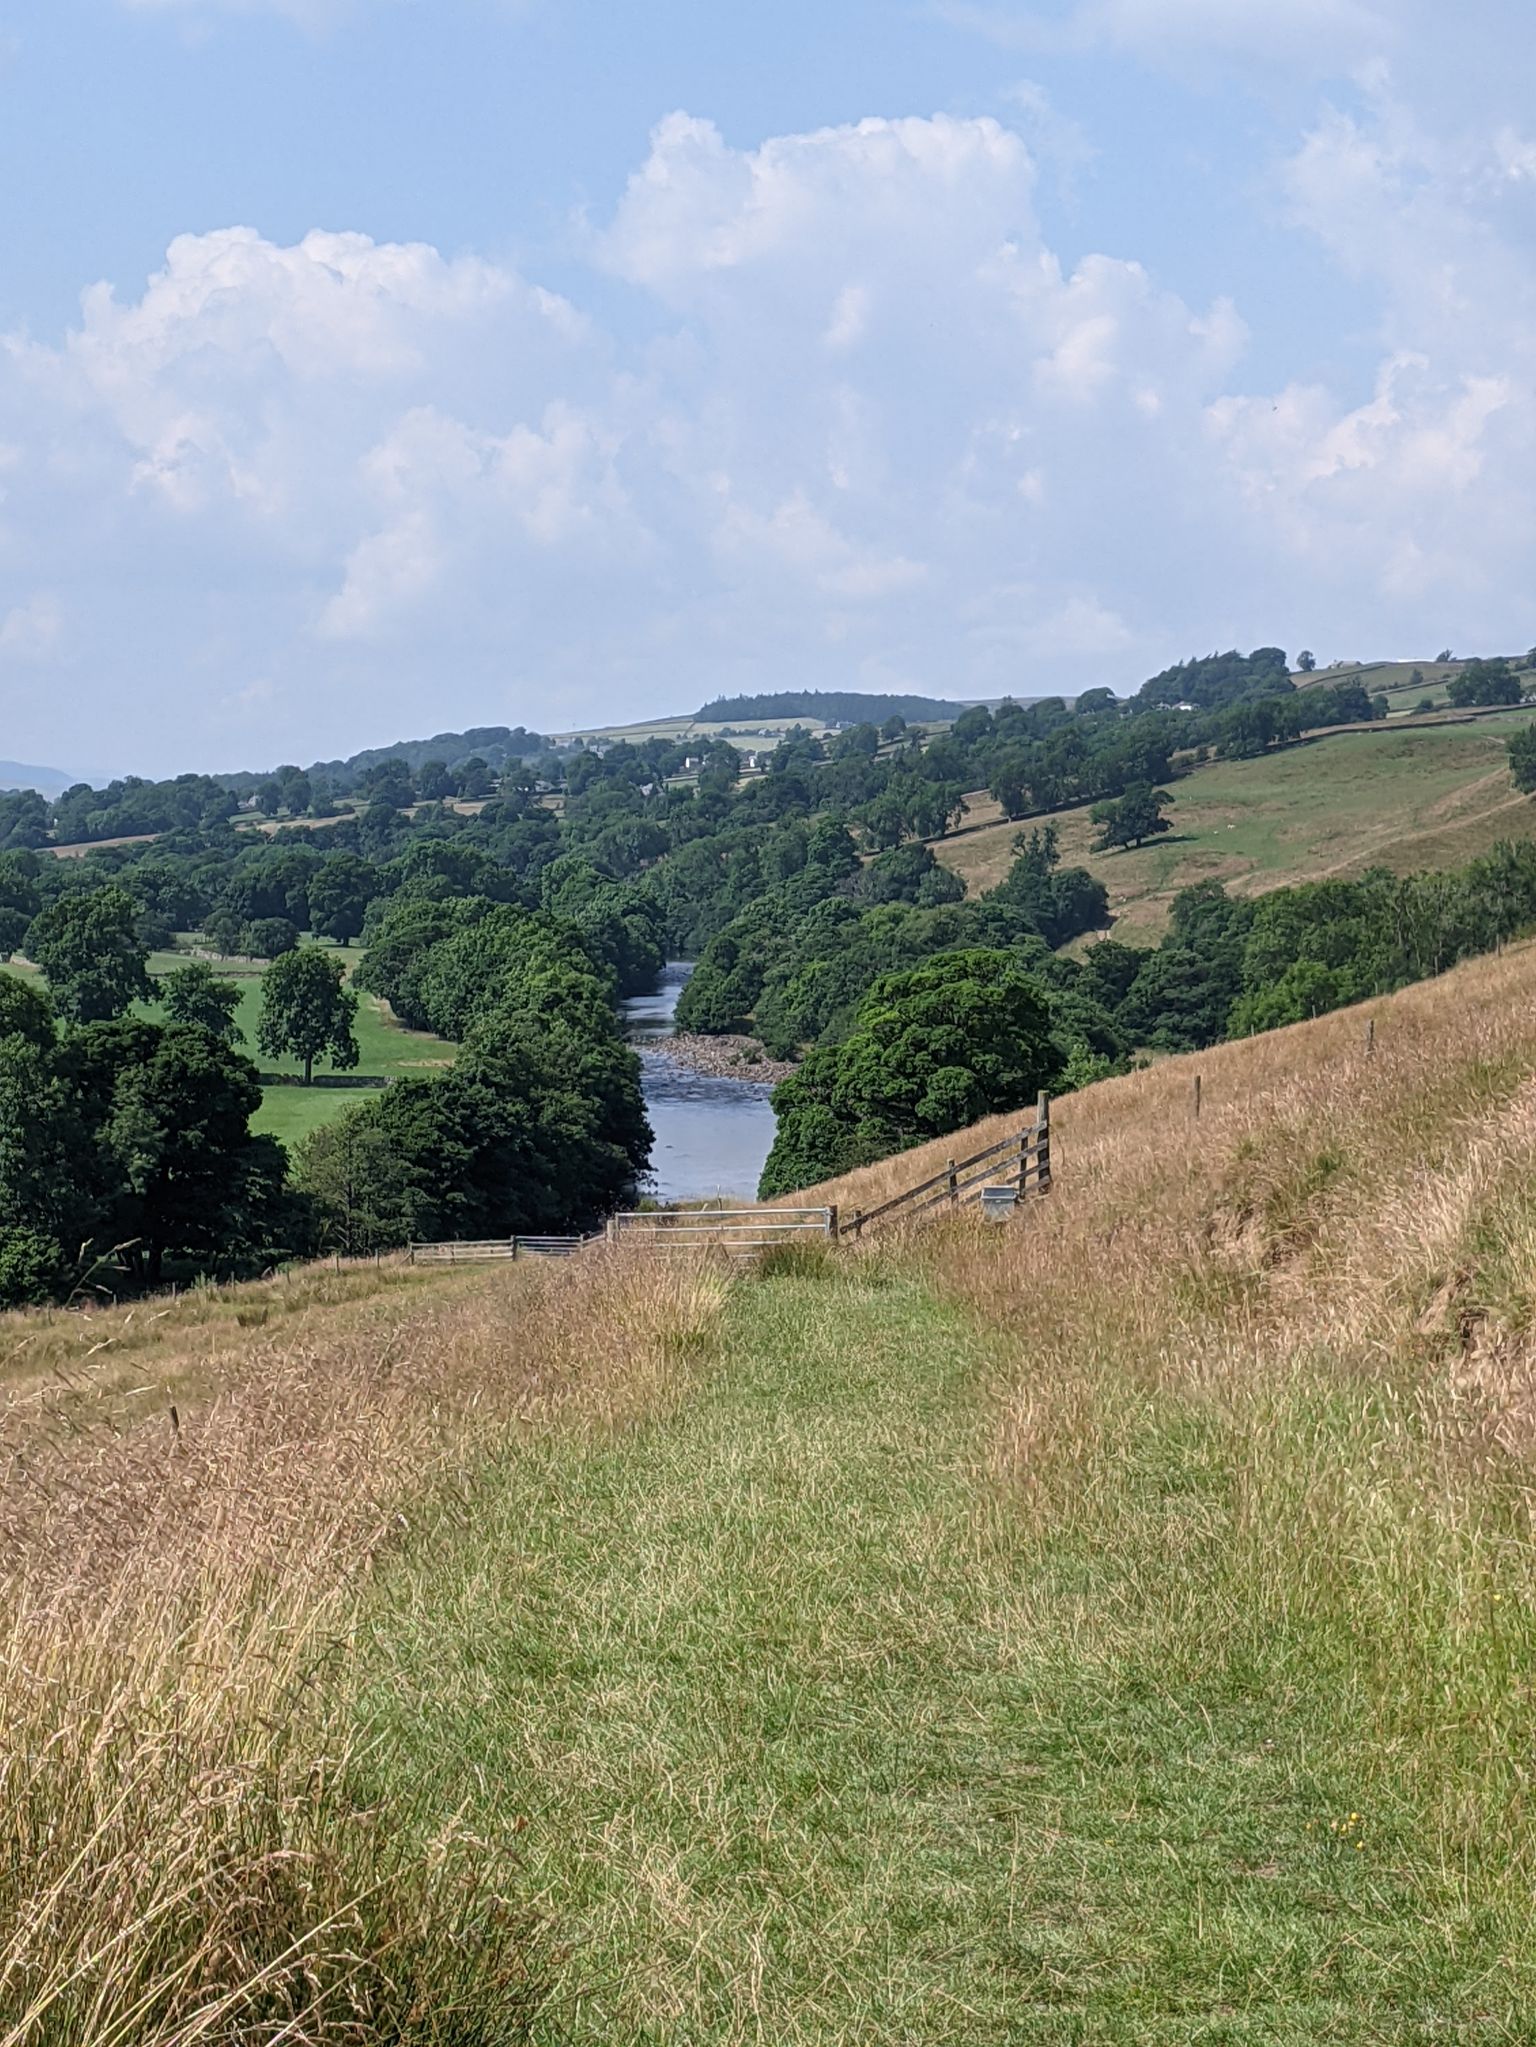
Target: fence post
(857, 1226)
(954, 1185)
(1043, 1143)
(1370, 1039)
(1196, 1095)
(832, 1222)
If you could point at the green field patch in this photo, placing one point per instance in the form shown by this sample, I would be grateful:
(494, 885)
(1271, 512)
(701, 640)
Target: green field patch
(1405, 799)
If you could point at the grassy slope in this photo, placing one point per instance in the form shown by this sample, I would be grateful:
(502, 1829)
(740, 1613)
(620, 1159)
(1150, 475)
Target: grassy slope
(1008, 1642)
(1419, 798)
(1116, 1628)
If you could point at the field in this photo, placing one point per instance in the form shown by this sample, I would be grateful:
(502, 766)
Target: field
(290, 1113)
(1116, 1628)
(1419, 797)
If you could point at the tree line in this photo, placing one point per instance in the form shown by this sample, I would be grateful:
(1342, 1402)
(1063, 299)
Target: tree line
(807, 894)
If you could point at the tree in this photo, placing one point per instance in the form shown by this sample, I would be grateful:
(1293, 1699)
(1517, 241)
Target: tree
(307, 1012)
(965, 1035)
(20, 899)
(1522, 759)
(388, 782)
(1306, 661)
(360, 1178)
(268, 938)
(910, 874)
(339, 894)
(88, 946)
(1484, 683)
(433, 781)
(195, 995)
(25, 1012)
(178, 1132)
(1132, 819)
(223, 931)
(31, 1266)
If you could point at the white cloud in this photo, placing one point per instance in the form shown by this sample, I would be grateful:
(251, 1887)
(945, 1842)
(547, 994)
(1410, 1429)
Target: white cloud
(877, 429)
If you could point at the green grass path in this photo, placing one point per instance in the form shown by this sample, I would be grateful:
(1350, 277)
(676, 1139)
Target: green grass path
(792, 1733)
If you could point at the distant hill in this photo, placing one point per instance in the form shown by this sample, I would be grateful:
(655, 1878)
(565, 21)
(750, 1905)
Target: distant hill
(49, 782)
(835, 706)
(494, 744)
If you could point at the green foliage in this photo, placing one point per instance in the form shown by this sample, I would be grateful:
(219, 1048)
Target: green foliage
(1130, 820)
(89, 949)
(133, 1136)
(1220, 679)
(339, 894)
(932, 1050)
(269, 938)
(195, 995)
(307, 1011)
(25, 1012)
(1522, 759)
(826, 707)
(20, 899)
(31, 1267)
(1483, 683)
(191, 1177)
(910, 874)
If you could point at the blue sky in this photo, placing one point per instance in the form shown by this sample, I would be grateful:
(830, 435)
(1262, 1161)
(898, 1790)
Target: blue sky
(369, 367)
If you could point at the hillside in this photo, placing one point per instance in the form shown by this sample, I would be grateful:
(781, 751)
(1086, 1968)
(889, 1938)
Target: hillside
(49, 782)
(1430, 796)
(818, 707)
(1117, 1627)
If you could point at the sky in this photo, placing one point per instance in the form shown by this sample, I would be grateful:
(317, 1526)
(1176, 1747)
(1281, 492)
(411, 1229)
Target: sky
(370, 368)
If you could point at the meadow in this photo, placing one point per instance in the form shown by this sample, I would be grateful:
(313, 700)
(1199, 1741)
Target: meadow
(1118, 1627)
(289, 1112)
(1429, 796)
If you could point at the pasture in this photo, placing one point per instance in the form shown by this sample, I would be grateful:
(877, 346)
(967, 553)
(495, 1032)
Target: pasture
(1430, 796)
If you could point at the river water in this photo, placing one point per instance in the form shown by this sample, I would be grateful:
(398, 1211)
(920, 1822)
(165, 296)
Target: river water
(712, 1135)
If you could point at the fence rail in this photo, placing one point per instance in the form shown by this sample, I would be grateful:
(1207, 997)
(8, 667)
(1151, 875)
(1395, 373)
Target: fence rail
(493, 1250)
(1022, 1161)
(1019, 1164)
(740, 1232)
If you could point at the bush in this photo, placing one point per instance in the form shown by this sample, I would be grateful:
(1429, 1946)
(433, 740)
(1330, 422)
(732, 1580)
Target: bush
(31, 1268)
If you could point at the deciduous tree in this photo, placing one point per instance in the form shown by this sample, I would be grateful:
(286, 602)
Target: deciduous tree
(307, 1011)
(88, 946)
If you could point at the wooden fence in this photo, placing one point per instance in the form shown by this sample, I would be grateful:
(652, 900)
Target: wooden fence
(740, 1232)
(493, 1250)
(1021, 1162)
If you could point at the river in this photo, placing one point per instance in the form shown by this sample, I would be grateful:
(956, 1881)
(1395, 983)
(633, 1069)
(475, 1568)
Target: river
(712, 1135)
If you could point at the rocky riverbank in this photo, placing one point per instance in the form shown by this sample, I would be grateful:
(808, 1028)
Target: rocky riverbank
(725, 1058)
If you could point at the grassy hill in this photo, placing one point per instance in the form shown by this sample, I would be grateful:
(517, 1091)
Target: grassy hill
(1120, 1627)
(1425, 796)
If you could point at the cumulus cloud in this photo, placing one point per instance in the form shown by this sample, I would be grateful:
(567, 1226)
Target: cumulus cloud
(876, 431)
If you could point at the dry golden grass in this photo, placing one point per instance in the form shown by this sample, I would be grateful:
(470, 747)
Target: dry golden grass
(191, 1853)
